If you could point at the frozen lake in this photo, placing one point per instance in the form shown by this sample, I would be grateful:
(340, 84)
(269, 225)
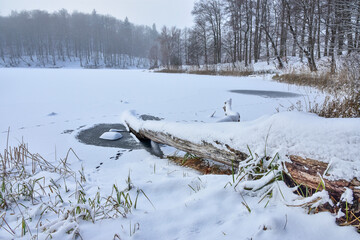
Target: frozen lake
(59, 102)
(48, 108)
(70, 94)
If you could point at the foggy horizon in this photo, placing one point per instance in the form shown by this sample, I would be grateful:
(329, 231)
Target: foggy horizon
(139, 12)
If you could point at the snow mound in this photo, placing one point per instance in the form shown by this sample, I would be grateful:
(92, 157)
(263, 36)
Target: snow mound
(112, 136)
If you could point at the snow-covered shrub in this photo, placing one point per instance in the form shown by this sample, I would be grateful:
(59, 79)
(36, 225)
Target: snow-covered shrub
(346, 88)
(343, 88)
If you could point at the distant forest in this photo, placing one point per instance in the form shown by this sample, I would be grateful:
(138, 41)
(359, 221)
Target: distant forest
(93, 39)
(251, 30)
(224, 31)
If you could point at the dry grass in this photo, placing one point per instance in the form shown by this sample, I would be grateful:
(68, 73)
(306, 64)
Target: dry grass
(203, 72)
(200, 165)
(343, 89)
(323, 81)
(165, 70)
(236, 73)
(346, 107)
(245, 73)
(29, 181)
(212, 72)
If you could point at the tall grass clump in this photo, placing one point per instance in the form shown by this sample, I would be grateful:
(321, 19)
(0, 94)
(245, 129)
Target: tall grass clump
(258, 175)
(265, 176)
(51, 199)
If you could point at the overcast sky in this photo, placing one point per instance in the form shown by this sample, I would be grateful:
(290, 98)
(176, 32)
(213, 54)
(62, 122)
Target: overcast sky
(161, 12)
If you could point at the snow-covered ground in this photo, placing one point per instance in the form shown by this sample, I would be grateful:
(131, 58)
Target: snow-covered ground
(41, 105)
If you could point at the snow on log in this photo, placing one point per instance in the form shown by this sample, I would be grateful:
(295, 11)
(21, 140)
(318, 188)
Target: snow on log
(312, 173)
(292, 134)
(207, 150)
(214, 150)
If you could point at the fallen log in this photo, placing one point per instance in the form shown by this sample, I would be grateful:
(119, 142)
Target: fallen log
(217, 151)
(303, 171)
(312, 173)
(207, 150)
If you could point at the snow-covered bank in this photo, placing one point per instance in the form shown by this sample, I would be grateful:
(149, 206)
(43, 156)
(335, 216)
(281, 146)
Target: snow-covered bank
(47, 108)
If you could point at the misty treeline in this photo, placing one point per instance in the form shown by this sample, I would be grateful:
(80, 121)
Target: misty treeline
(45, 38)
(251, 30)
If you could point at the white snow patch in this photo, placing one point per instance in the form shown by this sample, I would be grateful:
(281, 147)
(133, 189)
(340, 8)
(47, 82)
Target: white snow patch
(111, 136)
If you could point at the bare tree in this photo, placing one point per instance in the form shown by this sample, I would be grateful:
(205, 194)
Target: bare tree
(211, 11)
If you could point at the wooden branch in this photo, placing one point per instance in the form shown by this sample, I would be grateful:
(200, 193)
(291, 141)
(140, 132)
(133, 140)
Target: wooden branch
(308, 171)
(216, 151)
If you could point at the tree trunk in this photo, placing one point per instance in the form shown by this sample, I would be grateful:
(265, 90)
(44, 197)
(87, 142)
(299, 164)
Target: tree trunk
(256, 33)
(301, 53)
(294, 42)
(250, 33)
(318, 29)
(309, 52)
(283, 30)
(357, 29)
(339, 11)
(332, 44)
(281, 65)
(311, 40)
(327, 32)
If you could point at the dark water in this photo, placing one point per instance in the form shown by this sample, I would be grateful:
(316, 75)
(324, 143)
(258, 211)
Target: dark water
(267, 94)
(91, 136)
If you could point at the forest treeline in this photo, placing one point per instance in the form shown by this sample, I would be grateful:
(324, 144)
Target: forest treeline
(224, 31)
(251, 30)
(46, 38)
